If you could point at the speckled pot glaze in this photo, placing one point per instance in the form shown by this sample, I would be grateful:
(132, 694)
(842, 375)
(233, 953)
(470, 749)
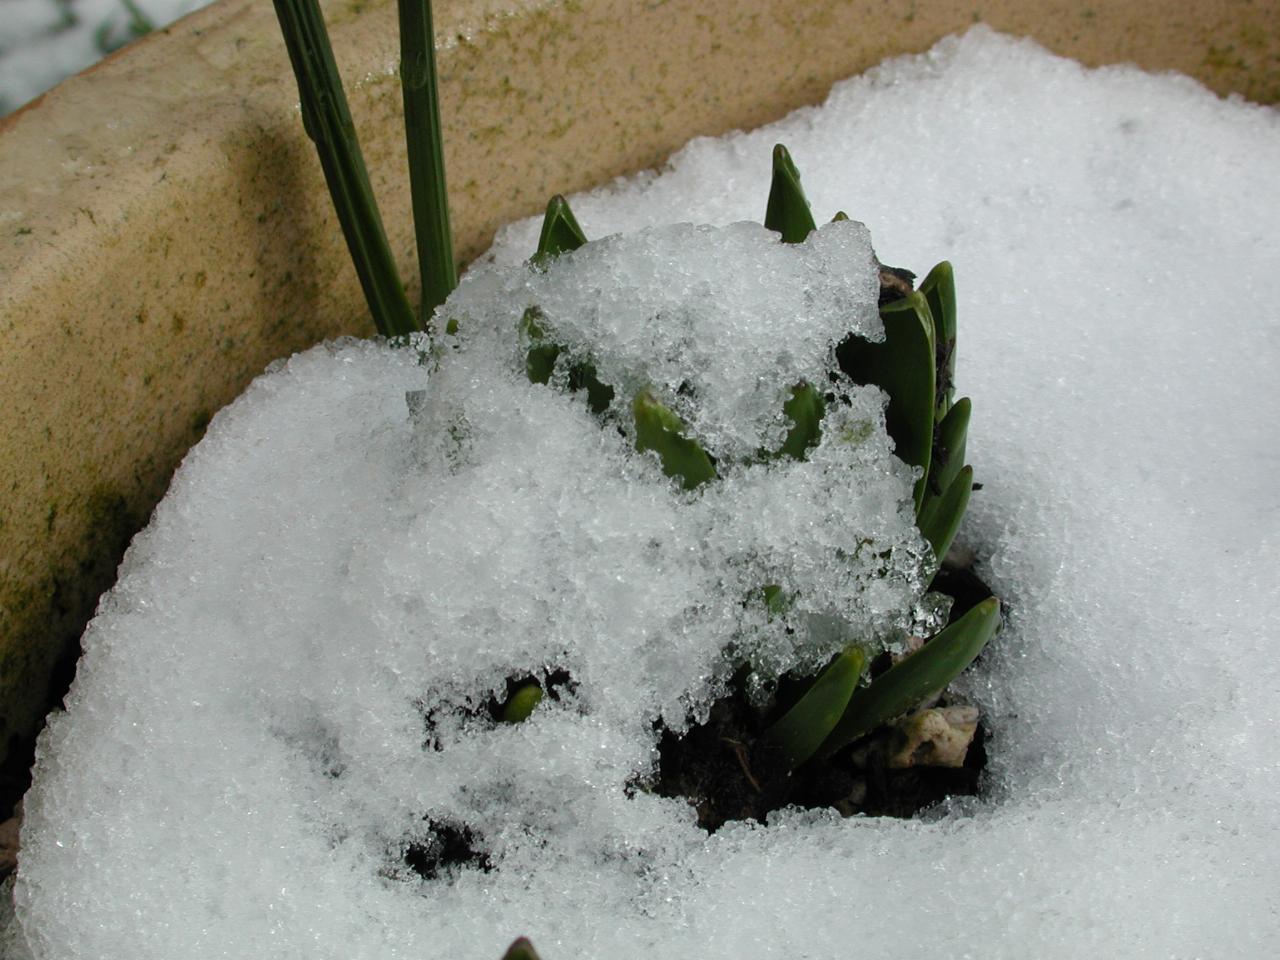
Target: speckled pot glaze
(165, 232)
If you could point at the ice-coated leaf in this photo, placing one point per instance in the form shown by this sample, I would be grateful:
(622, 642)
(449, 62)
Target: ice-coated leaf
(805, 408)
(903, 366)
(582, 376)
(941, 515)
(806, 725)
(787, 211)
(776, 601)
(541, 358)
(540, 363)
(912, 679)
(560, 231)
(521, 949)
(939, 289)
(522, 703)
(660, 430)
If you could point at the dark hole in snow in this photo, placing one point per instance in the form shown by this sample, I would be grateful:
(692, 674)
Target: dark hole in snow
(448, 848)
(556, 683)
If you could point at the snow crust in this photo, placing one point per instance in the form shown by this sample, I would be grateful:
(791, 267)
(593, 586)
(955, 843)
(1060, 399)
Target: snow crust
(243, 753)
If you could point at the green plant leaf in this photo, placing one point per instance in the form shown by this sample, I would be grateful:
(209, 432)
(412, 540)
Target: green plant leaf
(903, 366)
(522, 703)
(660, 430)
(913, 678)
(776, 602)
(327, 120)
(787, 211)
(806, 725)
(560, 231)
(428, 191)
(540, 361)
(805, 407)
(949, 442)
(939, 289)
(940, 518)
(582, 376)
(521, 949)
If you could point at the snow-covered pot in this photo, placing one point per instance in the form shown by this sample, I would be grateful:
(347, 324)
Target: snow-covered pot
(166, 232)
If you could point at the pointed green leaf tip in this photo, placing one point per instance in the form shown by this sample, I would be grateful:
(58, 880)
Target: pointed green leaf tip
(806, 725)
(939, 289)
(521, 949)
(788, 210)
(913, 678)
(805, 408)
(658, 429)
(560, 231)
(522, 703)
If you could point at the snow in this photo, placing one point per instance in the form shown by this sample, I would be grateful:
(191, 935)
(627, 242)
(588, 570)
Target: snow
(44, 41)
(242, 759)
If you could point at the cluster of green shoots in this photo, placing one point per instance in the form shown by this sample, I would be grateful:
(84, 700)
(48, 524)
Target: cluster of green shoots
(914, 365)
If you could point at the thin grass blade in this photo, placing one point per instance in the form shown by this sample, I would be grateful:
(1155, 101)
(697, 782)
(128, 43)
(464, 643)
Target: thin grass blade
(806, 725)
(787, 211)
(912, 679)
(427, 185)
(327, 120)
(660, 430)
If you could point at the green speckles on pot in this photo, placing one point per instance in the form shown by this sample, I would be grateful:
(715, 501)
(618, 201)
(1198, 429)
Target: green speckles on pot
(200, 422)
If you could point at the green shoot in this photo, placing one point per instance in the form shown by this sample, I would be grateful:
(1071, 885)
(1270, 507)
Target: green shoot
(939, 520)
(939, 289)
(950, 439)
(805, 408)
(787, 211)
(915, 677)
(521, 704)
(914, 365)
(521, 949)
(903, 366)
(660, 430)
(425, 146)
(560, 231)
(804, 727)
(327, 120)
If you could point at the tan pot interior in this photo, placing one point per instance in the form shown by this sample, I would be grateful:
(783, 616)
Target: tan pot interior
(165, 232)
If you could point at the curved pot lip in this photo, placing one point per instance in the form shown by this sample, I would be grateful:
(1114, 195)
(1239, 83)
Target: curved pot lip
(145, 234)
